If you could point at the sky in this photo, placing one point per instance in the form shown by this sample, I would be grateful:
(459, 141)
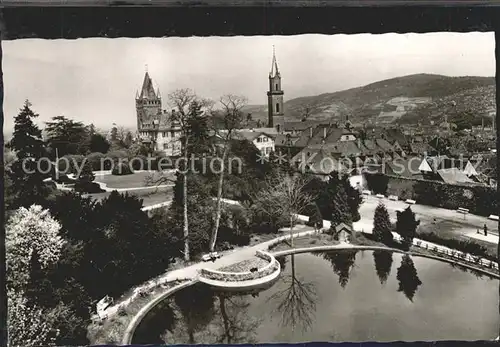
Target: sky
(95, 80)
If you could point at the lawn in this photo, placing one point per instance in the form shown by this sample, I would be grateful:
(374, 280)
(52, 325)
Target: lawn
(137, 179)
(150, 196)
(451, 230)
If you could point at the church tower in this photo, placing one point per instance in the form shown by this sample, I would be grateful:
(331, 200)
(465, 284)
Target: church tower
(276, 117)
(148, 106)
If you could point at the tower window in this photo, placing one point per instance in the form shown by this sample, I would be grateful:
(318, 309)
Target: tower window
(277, 107)
(276, 86)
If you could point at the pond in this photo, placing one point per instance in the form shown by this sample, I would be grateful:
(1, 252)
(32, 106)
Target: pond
(335, 296)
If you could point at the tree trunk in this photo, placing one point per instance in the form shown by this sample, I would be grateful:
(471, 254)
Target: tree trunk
(218, 208)
(225, 318)
(185, 192)
(291, 230)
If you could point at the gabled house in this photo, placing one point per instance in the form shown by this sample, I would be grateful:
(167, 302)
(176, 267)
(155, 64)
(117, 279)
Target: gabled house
(263, 141)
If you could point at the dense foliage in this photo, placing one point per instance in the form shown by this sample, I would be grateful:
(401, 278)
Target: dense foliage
(26, 180)
(406, 225)
(382, 228)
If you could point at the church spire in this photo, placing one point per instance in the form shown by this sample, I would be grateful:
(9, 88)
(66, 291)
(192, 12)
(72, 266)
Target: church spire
(274, 66)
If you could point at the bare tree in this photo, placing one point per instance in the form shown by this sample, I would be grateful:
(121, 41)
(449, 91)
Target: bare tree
(234, 118)
(297, 302)
(285, 195)
(184, 101)
(237, 325)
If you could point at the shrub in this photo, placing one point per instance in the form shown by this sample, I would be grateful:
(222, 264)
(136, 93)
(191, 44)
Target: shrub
(88, 187)
(63, 179)
(68, 163)
(94, 159)
(122, 169)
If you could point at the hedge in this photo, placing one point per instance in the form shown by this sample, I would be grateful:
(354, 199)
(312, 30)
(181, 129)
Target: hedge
(480, 200)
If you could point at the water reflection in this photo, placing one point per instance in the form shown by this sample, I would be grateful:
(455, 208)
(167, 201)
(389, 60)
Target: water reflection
(196, 306)
(308, 307)
(342, 263)
(296, 302)
(383, 264)
(407, 277)
(237, 326)
(153, 327)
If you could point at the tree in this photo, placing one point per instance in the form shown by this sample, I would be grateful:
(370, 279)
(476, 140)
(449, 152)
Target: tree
(26, 231)
(383, 264)
(98, 143)
(406, 225)
(233, 119)
(337, 202)
(284, 196)
(407, 277)
(27, 181)
(382, 225)
(200, 212)
(316, 219)
(187, 106)
(67, 136)
(377, 182)
(28, 325)
(86, 175)
(129, 139)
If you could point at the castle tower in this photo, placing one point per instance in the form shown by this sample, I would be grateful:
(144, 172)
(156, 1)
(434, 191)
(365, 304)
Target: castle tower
(147, 104)
(276, 117)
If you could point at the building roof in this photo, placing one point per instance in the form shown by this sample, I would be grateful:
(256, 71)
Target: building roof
(147, 91)
(317, 161)
(453, 176)
(343, 226)
(250, 135)
(404, 167)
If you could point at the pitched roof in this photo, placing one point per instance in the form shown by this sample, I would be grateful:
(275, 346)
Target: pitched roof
(453, 175)
(147, 91)
(343, 226)
(249, 135)
(405, 167)
(317, 161)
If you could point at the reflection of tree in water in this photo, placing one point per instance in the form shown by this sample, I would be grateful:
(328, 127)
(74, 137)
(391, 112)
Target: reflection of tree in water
(297, 302)
(476, 273)
(153, 326)
(408, 277)
(342, 262)
(237, 326)
(383, 264)
(196, 307)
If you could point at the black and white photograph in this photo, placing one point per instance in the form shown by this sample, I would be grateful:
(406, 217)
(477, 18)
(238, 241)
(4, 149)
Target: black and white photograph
(251, 189)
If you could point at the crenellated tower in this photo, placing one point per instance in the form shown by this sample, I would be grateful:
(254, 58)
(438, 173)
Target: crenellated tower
(148, 105)
(276, 116)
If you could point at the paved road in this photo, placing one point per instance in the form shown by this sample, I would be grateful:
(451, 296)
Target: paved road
(426, 214)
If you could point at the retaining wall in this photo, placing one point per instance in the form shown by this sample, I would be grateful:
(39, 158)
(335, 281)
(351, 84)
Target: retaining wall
(226, 276)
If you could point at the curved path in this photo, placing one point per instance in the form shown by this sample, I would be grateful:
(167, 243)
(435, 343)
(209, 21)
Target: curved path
(191, 272)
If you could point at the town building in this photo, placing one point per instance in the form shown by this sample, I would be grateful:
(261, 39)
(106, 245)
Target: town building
(156, 127)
